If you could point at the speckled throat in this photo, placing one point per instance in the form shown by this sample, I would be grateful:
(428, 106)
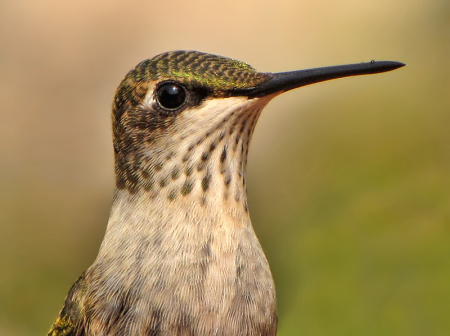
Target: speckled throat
(184, 244)
(180, 256)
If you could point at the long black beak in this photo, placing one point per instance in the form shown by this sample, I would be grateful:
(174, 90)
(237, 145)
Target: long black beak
(284, 81)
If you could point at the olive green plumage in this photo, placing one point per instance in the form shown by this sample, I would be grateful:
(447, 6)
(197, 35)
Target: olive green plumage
(63, 327)
(70, 320)
(200, 69)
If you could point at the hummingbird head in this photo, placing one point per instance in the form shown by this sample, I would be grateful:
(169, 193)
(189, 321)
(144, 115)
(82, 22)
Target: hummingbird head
(177, 122)
(182, 121)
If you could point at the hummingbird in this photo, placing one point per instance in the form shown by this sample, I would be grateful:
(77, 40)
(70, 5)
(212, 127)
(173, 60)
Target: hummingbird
(180, 256)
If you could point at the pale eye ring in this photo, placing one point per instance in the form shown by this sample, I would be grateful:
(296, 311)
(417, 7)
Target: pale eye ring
(171, 95)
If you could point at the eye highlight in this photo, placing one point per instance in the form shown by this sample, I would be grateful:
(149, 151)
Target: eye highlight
(171, 95)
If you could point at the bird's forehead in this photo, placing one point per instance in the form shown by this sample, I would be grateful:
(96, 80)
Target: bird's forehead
(195, 68)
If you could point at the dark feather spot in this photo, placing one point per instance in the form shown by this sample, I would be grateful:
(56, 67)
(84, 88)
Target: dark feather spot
(206, 250)
(205, 182)
(238, 271)
(227, 180)
(186, 189)
(223, 156)
(201, 166)
(212, 147)
(170, 155)
(204, 267)
(172, 195)
(175, 173)
(163, 183)
(189, 171)
(186, 157)
(205, 156)
(148, 185)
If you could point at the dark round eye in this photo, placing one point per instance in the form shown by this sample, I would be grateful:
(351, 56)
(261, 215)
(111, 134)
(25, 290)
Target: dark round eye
(171, 95)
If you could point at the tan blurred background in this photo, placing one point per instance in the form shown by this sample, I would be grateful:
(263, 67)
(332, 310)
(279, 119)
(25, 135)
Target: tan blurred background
(349, 180)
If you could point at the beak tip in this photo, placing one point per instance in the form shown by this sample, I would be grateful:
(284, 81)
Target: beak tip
(383, 66)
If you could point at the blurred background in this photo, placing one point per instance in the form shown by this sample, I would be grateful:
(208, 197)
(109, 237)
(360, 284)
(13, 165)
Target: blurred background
(349, 180)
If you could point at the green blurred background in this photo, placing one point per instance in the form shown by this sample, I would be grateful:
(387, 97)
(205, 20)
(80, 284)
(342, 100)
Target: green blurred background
(349, 180)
